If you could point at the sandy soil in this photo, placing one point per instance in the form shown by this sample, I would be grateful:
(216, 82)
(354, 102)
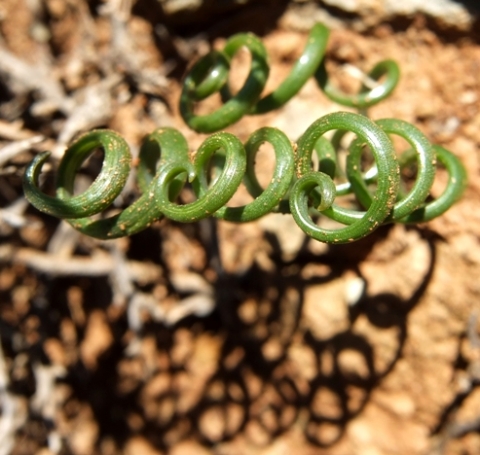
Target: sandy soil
(140, 346)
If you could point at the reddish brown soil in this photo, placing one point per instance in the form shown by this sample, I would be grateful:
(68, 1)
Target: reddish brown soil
(115, 356)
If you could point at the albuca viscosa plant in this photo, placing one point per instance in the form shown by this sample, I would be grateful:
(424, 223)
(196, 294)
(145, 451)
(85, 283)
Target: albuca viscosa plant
(165, 164)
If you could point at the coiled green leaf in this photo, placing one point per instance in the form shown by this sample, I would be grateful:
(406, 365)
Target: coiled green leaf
(222, 162)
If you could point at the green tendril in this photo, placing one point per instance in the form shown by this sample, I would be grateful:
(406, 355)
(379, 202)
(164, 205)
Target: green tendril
(210, 75)
(236, 107)
(103, 191)
(359, 224)
(371, 197)
(367, 97)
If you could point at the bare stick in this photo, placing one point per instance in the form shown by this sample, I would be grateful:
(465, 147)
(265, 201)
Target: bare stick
(13, 149)
(98, 264)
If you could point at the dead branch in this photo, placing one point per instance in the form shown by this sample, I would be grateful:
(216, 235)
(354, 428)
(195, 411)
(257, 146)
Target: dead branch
(93, 108)
(13, 149)
(19, 74)
(14, 411)
(98, 264)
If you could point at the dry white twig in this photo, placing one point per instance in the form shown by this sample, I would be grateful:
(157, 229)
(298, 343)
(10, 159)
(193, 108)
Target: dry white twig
(120, 278)
(139, 304)
(199, 304)
(15, 148)
(64, 241)
(93, 110)
(14, 412)
(98, 264)
(357, 73)
(126, 54)
(14, 131)
(46, 402)
(13, 214)
(190, 282)
(19, 73)
(86, 52)
(42, 401)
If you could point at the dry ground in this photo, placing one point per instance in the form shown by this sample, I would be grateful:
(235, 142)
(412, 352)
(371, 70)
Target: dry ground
(148, 346)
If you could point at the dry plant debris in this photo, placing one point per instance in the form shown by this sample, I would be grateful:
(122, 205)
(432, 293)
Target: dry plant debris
(229, 339)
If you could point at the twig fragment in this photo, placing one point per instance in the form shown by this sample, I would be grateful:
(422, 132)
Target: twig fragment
(98, 264)
(14, 411)
(20, 73)
(94, 110)
(13, 214)
(13, 149)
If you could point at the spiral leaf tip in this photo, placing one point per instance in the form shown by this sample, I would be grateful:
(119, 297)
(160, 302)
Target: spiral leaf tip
(222, 162)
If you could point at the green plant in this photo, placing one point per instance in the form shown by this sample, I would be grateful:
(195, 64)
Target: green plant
(165, 164)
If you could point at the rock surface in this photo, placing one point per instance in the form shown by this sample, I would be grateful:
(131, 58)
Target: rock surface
(370, 12)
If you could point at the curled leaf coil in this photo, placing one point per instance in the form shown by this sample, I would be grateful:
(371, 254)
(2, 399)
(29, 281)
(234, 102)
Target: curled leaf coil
(222, 162)
(210, 75)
